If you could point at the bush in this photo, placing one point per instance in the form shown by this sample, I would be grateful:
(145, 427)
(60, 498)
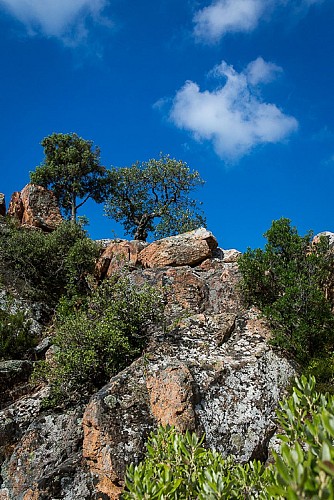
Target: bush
(15, 335)
(47, 264)
(304, 468)
(179, 467)
(101, 337)
(286, 281)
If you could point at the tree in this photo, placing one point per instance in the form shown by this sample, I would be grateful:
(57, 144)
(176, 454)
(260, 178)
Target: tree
(156, 189)
(72, 170)
(286, 281)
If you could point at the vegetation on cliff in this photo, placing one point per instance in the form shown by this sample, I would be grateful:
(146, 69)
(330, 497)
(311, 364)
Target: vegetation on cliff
(100, 337)
(290, 282)
(46, 265)
(38, 267)
(15, 335)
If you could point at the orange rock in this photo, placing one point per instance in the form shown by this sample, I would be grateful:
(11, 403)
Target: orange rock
(171, 397)
(186, 289)
(118, 254)
(15, 208)
(188, 249)
(35, 206)
(95, 450)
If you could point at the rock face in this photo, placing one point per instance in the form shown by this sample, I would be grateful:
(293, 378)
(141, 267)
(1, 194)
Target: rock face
(35, 206)
(209, 369)
(117, 254)
(186, 249)
(14, 376)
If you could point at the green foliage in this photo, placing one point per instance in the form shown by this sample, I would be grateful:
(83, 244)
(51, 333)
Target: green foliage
(156, 189)
(178, 467)
(102, 336)
(72, 170)
(304, 468)
(322, 368)
(47, 265)
(15, 335)
(286, 281)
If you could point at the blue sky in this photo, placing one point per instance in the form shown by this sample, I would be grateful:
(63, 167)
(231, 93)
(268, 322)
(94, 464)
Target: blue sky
(242, 90)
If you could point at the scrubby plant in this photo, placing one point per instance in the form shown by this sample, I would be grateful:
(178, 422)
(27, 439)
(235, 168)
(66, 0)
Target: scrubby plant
(47, 265)
(304, 467)
(102, 336)
(15, 335)
(178, 467)
(287, 281)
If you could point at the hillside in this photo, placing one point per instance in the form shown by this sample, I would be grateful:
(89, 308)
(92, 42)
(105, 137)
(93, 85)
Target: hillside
(207, 366)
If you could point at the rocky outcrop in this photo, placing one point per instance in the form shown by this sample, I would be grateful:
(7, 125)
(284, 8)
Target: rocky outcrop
(45, 461)
(210, 374)
(188, 249)
(208, 369)
(116, 255)
(329, 284)
(2, 204)
(35, 206)
(231, 255)
(328, 235)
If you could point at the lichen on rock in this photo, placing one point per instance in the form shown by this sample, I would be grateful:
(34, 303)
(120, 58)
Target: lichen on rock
(209, 368)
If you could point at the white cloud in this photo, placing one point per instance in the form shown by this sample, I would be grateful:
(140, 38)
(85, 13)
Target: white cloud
(260, 71)
(230, 16)
(224, 16)
(232, 116)
(63, 19)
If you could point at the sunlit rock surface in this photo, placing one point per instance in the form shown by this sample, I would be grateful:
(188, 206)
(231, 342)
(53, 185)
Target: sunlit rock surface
(208, 369)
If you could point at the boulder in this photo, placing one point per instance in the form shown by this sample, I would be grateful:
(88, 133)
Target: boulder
(116, 255)
(231, 255)
(2, 204)
(47, 461)
(35, 206)
(187, 249)
(328, 234)
(15, 208)
(15, 419)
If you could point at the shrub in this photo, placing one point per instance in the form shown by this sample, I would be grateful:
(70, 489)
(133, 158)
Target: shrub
(102, 336)
(47, 264)
(15, 335)
(178, 467)
(286, 281)
(304, 468)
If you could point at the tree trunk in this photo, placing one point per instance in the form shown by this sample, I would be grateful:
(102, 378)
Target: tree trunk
(73, 208)
(141, 232)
